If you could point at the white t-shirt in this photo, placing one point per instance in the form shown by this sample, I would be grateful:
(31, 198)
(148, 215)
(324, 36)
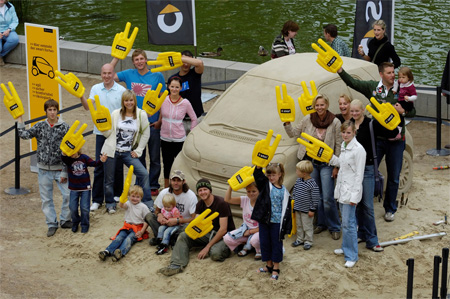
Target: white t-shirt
(186, 202)
(290, 47)
(135, 214)
(247, 211)
(126, 129)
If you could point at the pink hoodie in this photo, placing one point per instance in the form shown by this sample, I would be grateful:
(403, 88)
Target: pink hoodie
(172, 128)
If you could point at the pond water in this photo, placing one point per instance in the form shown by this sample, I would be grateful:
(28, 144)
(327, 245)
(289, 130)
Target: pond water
(422, 30)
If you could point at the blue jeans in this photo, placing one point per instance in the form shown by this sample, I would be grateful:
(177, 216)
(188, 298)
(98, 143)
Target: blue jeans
(394, 160)
(154, 153)
(271, 246)
(365, 216)
(46, 178)
(7, 44)
(80, 199)
(124, 240)
(139, 170)
(327, 216)
(349, 235)
(98, 187)
(165, 232)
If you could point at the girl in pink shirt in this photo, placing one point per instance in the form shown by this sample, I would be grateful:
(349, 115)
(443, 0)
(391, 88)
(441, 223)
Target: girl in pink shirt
(173, 134)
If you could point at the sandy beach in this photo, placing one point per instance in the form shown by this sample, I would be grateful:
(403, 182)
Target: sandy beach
(67, 265)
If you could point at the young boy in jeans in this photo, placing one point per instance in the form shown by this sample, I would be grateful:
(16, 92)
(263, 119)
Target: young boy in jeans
(134, 228)
(306, 195)
(49, 134)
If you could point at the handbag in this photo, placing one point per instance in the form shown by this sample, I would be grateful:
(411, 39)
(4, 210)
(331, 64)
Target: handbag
(379, 178)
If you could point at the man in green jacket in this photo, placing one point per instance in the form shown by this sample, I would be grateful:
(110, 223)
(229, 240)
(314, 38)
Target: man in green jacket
(382, 91)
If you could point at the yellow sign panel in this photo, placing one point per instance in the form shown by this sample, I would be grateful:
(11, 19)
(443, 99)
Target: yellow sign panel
(42, 62)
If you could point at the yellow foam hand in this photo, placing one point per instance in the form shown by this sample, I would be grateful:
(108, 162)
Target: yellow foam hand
(317, 149)
(73, 142)
(263, 152)
(122, 44)
(101, 117)
(305, 101)
(285, 105)
(294, 220)
(387, 116)
(126, 185)
(200, 226)
(71, 83)
(168, 61)
(328, 59)
(152, 101)
(242, 178)
(12, 101)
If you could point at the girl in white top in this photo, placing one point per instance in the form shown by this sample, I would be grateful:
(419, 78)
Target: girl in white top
(173, 134)
(249, 236)
(125, 141)
(348, 190)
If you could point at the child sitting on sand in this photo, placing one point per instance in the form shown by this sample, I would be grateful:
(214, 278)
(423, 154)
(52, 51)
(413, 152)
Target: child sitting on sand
(164, 231)
(134, 227)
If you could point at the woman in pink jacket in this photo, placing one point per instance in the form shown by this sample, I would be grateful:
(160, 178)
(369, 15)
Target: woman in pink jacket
(173, 133)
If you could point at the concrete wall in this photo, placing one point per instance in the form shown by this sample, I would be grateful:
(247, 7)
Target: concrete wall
(88, 58)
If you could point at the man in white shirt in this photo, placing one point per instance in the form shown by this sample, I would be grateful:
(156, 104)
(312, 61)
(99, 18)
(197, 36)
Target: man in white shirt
(186, 204)
(110, 95)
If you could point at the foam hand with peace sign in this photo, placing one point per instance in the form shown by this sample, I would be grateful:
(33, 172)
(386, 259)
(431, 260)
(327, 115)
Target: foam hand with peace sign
(317, 149)
(12, 101)
(200, 226)
(122, 44)
(242, 178)
(126, 186)
(285, 105)
(305, 101)
(263, 152)
(328, 59)
(152, 101)
(72, 143)
(71, 83)
(101, 117)
(294, 220)
(387, 116)
(168, 61)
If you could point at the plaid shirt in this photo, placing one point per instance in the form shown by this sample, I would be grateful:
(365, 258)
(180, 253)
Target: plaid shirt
(340, 47)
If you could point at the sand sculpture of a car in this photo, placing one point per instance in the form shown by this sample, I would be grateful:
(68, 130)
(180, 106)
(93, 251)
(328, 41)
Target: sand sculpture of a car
(223, 142)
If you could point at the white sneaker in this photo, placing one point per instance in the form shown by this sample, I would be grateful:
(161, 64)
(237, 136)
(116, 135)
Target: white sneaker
(111, 210)
(95, 206)
(349, 264)
(116, 198)
(339, 251)
(389, 217)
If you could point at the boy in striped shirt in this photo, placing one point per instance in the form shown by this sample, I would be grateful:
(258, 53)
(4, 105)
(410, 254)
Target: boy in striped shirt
(306, 195)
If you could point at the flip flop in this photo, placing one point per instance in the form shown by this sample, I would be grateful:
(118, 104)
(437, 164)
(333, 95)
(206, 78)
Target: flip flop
(242, 253)
(265, 269)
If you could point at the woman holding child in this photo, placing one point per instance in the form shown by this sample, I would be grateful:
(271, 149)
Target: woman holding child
(324, 126)
(125, 141)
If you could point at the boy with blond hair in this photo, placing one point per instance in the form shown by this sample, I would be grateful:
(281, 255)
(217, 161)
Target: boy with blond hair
(306, 195)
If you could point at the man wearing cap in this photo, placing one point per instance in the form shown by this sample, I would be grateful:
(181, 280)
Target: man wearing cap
(186, 203)
(212, 242)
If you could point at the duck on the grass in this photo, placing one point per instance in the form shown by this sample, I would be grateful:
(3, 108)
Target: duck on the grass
(212, 54)
(262, 51)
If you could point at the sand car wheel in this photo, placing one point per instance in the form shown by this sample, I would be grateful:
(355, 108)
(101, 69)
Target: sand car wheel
(51, 74)
(406, 175)
(34, 71)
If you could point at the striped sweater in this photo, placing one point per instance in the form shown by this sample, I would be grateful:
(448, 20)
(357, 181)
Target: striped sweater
(306, 195)
(79, 178)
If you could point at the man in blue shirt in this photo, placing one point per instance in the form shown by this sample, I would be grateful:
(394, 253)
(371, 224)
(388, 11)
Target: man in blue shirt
(110, 95)
(140, 80)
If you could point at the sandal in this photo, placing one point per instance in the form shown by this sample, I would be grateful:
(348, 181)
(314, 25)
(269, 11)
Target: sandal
(266, 269)
(275, 276)
(258, 256)
(242, 253)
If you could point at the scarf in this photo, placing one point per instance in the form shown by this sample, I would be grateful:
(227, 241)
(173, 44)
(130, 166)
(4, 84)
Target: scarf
(322, 123)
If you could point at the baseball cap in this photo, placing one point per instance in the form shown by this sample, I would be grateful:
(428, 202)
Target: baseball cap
(177, 174)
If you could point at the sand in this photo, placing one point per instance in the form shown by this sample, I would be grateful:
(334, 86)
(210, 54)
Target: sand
(66, 265)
